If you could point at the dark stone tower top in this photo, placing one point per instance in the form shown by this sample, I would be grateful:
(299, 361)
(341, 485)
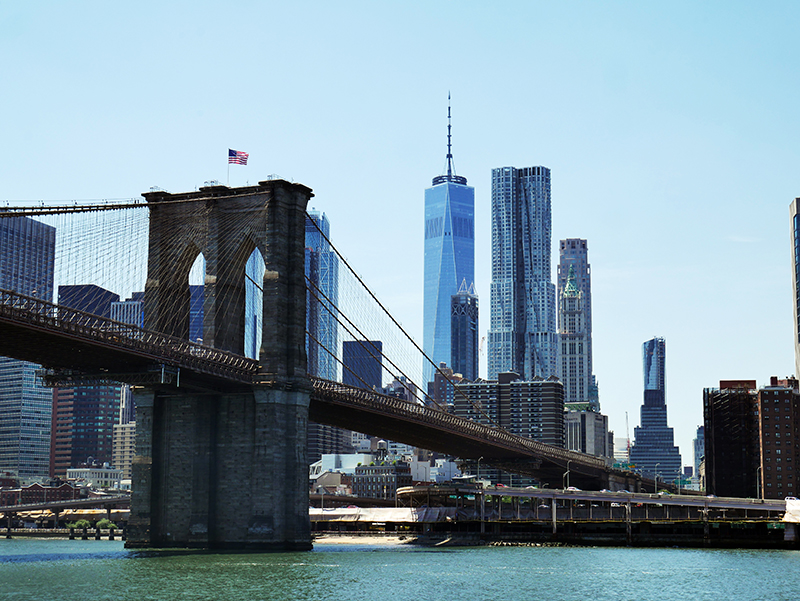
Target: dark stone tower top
(226, 225)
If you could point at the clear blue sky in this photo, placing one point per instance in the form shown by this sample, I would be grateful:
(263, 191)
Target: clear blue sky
(671, 130)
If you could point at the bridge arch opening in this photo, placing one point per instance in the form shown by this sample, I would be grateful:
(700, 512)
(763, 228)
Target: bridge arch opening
(197, 282)
(253, 303)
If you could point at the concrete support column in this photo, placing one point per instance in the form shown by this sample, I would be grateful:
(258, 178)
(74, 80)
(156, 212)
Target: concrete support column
(139, 522)
(280, 470)
(628, 528)
(173, 470)
(483, 513)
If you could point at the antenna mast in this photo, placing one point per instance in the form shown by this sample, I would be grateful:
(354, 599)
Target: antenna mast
(450, 171)
(449, 150)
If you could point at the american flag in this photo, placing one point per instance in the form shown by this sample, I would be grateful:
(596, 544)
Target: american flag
(237, 157)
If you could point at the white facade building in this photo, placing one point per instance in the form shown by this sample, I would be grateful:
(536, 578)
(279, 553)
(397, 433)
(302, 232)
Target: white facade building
(96, 477)
(574, 360)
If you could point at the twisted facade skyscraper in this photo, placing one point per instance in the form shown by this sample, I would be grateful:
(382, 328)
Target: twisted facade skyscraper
(522, 334)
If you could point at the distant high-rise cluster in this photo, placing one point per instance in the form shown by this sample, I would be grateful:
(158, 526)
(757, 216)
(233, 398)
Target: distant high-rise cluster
(524, 336)
(84, 416)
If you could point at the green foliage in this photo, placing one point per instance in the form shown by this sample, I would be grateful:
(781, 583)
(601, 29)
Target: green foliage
(105, 524)
(80, 524)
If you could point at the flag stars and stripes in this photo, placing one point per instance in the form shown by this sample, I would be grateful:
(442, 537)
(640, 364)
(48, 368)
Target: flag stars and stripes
(237, 157)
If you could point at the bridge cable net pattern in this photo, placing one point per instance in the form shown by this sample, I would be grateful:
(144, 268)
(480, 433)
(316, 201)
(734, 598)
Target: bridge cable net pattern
(94, 261)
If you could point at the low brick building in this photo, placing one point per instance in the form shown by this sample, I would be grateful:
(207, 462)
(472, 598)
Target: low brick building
(381, 480)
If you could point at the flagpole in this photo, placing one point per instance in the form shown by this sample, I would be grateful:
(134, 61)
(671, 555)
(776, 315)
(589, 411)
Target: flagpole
(228, 183)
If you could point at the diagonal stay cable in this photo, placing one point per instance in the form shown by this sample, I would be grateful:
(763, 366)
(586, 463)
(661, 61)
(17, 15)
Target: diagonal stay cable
(400, 327)
(316, 292)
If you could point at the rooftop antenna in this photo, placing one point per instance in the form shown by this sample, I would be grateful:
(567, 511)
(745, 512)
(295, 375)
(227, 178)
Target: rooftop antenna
(450, 176)
(449, 151)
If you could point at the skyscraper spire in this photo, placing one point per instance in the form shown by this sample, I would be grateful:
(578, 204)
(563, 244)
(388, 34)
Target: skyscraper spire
(449, 150)
(450, 168)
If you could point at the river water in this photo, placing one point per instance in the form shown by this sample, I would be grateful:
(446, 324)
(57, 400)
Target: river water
(55, 570)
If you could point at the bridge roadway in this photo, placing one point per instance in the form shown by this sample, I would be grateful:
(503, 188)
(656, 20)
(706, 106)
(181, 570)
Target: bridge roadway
(113, 501)
(506, 503)
(455, 514)
(80, 348)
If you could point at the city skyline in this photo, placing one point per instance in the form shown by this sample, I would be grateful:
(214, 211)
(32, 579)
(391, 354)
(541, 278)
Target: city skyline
(677, 172)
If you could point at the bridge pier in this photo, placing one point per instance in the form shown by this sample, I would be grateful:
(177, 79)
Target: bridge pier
(225, 466)
(221, 471)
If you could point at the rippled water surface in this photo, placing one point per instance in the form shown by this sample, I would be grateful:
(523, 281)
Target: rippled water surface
(65, 570)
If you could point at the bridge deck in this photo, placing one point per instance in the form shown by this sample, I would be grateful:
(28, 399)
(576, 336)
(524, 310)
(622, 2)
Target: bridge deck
(85, 347)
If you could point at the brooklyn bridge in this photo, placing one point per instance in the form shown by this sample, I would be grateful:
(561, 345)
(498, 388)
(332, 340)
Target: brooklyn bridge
(221, 458)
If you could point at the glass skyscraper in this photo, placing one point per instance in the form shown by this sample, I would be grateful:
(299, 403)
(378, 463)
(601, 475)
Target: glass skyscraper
(322, 338)
(362, 362)
(322, 269)
(464, 334)
(522, 333)
(653, 451)
(27, 261)
(449, 256)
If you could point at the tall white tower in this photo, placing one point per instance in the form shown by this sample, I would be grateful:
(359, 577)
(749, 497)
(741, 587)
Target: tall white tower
(573, 356)
(522, 334)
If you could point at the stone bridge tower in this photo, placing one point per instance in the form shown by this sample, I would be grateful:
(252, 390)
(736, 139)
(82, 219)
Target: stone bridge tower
(225, 466)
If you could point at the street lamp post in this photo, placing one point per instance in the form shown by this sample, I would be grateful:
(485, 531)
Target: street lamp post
(565, 477)
(479, 467)
(655, 490)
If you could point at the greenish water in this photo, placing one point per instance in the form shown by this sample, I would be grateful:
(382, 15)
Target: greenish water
(64, 570)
